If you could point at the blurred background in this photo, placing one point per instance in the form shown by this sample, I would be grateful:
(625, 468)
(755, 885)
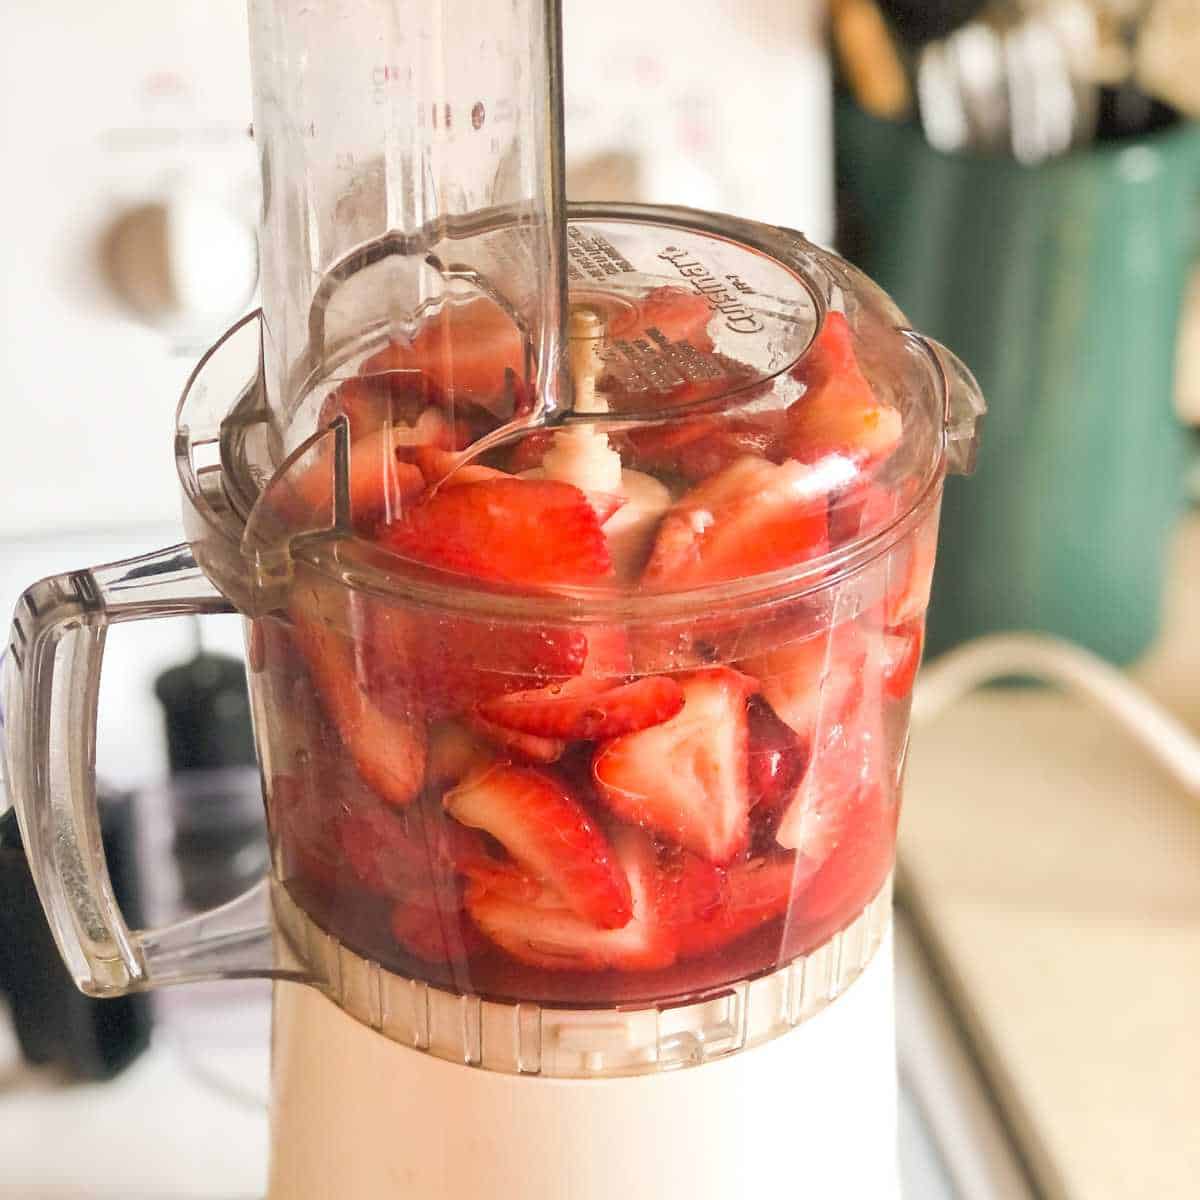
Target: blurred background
(1024, 177)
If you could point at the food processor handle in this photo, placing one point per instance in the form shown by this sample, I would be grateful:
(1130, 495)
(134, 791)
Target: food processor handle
(963, 403)
(49, 686)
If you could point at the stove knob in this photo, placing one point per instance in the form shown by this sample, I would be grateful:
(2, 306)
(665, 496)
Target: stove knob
(186, 263)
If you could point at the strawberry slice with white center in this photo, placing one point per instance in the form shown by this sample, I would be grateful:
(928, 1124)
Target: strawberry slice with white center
(751, 517)
(587, 707)
(686, 778)
(533, 532)
(545, 933)
(539, 822)
(838, 412)
(814, 681)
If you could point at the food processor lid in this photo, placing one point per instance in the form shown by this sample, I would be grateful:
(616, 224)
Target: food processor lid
(712, 333)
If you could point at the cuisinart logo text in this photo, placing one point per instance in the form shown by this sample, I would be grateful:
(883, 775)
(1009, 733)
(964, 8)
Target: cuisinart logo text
(722, 295)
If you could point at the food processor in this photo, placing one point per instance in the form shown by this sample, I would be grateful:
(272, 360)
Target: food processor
(583, 554)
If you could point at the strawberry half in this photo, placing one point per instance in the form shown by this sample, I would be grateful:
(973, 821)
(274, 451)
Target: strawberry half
(587, 708)
(815, 681)
(751, 517)
(381, 483)
(847, 761)
(777, 758)
(388, 748)
(464, 349)
(539, 822)
(838, 412)
(545, 933)
(533, 532)
(686, 778)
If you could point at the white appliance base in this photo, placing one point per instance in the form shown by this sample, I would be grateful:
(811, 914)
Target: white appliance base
(810, 1115)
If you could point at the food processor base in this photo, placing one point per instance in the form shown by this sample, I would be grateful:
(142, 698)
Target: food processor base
(812, 1113)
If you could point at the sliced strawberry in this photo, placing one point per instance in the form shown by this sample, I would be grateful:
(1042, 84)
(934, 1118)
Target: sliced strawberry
(381, 485)
(526, 531)
(505, 879)
(587, 707)
(431, 430)
(524, 747)
(850, 875)
(751, 894)
(307, 849)
(777, 758)
(435, 935)
(370, 403)
(812, 682)
(860, 508)
(454, 751)
(388, 748)
(674, 314)
(751, 517)
(465, 349)
(528, 453)
(660, 447)
(729, 440)
(544, 933)
(414, 852)
(604, 504)
(688, 888)
(442, 467)
(838, 412)
(847, 761)
(910, 575)
(380, 851)
(686, 779)
(549, 833)
(608, 654)
(902, 657)
(452, 661)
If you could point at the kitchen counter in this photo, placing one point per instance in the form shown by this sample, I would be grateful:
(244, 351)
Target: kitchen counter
(1058, 872)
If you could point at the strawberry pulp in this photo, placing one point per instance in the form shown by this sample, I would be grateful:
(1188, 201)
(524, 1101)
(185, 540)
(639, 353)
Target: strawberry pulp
(582, 813)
